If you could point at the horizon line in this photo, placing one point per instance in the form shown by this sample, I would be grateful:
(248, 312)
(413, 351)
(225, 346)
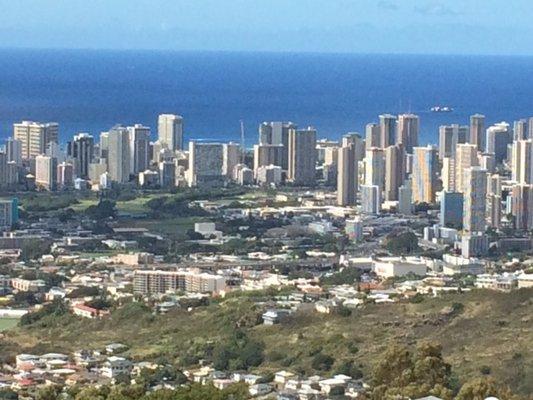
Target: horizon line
(235, 51)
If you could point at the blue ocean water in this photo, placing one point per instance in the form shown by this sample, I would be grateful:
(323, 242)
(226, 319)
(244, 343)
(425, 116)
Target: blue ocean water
(90, 91)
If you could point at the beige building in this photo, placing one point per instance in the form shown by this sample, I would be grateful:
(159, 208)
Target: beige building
(46, 172)
(475, 199)
(302, 156)
(346, 176)
(170, 131)
(34, 137)
(465, 157)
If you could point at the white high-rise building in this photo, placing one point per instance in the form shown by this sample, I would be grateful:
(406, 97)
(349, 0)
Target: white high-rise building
(465, 157)
(522, 161)
(375, 168)
(170, 131)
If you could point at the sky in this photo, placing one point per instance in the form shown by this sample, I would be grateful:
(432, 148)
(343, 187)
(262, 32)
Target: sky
(352, 26)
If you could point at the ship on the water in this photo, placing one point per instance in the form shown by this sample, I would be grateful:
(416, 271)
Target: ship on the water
(441, 109)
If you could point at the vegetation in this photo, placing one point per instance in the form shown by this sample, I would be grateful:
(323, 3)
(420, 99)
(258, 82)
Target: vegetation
(401, 243)
(480, 331)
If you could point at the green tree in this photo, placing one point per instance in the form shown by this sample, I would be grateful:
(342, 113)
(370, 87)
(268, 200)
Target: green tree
(481, 388)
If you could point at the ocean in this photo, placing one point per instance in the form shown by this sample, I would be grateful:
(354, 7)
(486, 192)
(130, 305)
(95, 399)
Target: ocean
(90, 90)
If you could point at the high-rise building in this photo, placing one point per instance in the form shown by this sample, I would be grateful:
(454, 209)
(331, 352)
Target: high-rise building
(408, 128)
(394, 171)
(494, 184)
(447, 174)
(372, 135)
(104, 145)
(65, 175)
(231, 156)
(14, 150)
(302, 156)
(522, 206)
(8, 213)
(405, 196)
(277, 133)
(520, 130)
(370, 199)
(118, 158)
(424, 177)
(139, 137)
(34, 137)
(465, 157)
(494, 210)
(522, 161)
(387, 126)
(205, 163)
(530, 128)
(375, 168)
(81, 151)
(449, 137)
(346, 175)
(477, 131)
(497, 139)
(358, 143)
(46, 172)
(487, 161)
(451, 209)
(267, 154)
(167, 174)
(474, 203)
(268, 175)
(170, 131)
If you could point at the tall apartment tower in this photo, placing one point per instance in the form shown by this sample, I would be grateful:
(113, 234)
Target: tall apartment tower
(408, 129)
(424, 176)
(465, 157)
(139, 137)
(205, 164)
(372, 135)
(231, 156)
(449, 137)
(277, 133)
(447, 174)
(375, 168)
(302, 156)
(394, 171)
(346, 175)
(14, 151)
(477, 131)
(267, 154)
(170, 131)
(387, 126)
(522, 161)
(522, 206)
(81, 150)
(475, 199)
(520, 130)
(497, 139)
(370, 199)
(34, 137)
(118, 158)
(46, 172)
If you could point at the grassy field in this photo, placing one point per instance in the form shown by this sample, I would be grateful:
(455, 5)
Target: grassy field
(494, 330)
(7, 323)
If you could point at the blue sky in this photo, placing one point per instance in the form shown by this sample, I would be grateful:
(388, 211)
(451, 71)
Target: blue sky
(354, 26)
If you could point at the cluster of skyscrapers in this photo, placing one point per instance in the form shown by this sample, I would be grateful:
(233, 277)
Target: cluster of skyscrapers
(481, 176)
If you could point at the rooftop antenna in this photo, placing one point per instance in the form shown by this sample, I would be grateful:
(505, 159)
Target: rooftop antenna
(242, 141)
